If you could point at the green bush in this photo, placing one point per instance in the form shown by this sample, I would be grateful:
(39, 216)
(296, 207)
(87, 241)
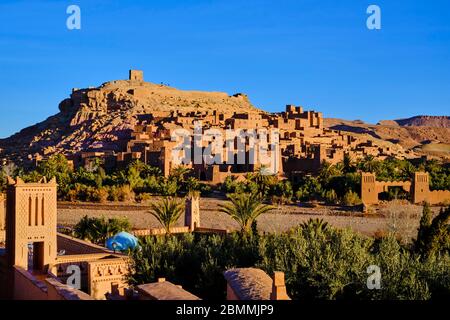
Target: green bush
(282, 192)
(98, 230)
(331, 197)
(143, 197)
(351, 199)
(319, 261)
(206, 255)
(125, 194)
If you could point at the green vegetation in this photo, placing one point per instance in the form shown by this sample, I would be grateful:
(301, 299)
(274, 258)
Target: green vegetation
(92, 183)
(98, 230)
(167, 212)
(433, 237)
(319, 261)
(333, 184)
(244, 208)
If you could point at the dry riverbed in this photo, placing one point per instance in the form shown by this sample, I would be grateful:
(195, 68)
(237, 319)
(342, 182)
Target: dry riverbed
(402, 216)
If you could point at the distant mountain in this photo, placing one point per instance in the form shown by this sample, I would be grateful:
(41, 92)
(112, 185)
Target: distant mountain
(429, 135)
(425, 121)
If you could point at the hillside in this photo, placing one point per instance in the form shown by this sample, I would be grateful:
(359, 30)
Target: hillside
(425, 121)
(426, 140)
(103, 117)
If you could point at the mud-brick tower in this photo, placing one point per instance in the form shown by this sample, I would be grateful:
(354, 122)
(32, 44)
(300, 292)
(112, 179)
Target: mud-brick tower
(136, 75)
(31, 223)
(192, 211)
(369, 194)
(420, 187)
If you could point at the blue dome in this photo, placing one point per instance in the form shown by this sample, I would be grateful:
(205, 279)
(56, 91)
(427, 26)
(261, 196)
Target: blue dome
(122, 242)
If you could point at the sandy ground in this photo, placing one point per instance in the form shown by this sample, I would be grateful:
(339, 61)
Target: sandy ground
(403, 217)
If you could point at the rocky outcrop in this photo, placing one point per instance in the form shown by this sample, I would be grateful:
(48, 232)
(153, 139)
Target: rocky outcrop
(425, 121)
(410, 137)
(103, 117)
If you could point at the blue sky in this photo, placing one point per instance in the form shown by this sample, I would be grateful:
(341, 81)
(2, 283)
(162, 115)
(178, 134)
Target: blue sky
(315, 53)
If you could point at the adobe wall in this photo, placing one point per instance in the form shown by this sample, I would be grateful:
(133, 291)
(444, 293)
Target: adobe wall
(159, 231)
(73, 246)
(212, 230)
(27, 287)
(419, 189)
(61, 270)
(31, 218)
(80, 260)
(192, 212)
(58, 291)
(102, 274)
(439, 197)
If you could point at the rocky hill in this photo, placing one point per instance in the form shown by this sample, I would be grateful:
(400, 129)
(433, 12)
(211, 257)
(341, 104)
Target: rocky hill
(432, 137)
(103, 117)
(420, 121)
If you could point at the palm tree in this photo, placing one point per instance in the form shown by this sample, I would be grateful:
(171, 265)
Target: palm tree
(263, 180)
(369, 164)
(244, 208)
(327, 170)
(314, 226)
(83, 229)
(179, 173)
(408, 170)
(348, 163)
(98, 230)
(167, 211)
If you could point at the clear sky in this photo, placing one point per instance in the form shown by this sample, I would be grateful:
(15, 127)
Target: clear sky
(315, 53)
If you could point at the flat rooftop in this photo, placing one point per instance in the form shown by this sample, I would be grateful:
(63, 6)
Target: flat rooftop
(164, 291)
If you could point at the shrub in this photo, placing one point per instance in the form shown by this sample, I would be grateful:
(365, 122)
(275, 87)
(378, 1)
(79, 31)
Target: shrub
(72, 195)
(434, 234)
(168, 188)
(143, 197)
(125, 194)
(351, 199)
(282, 192)
(98, 194)
(207, 256)
(331, 197)
(319, 261)
(98, 230)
